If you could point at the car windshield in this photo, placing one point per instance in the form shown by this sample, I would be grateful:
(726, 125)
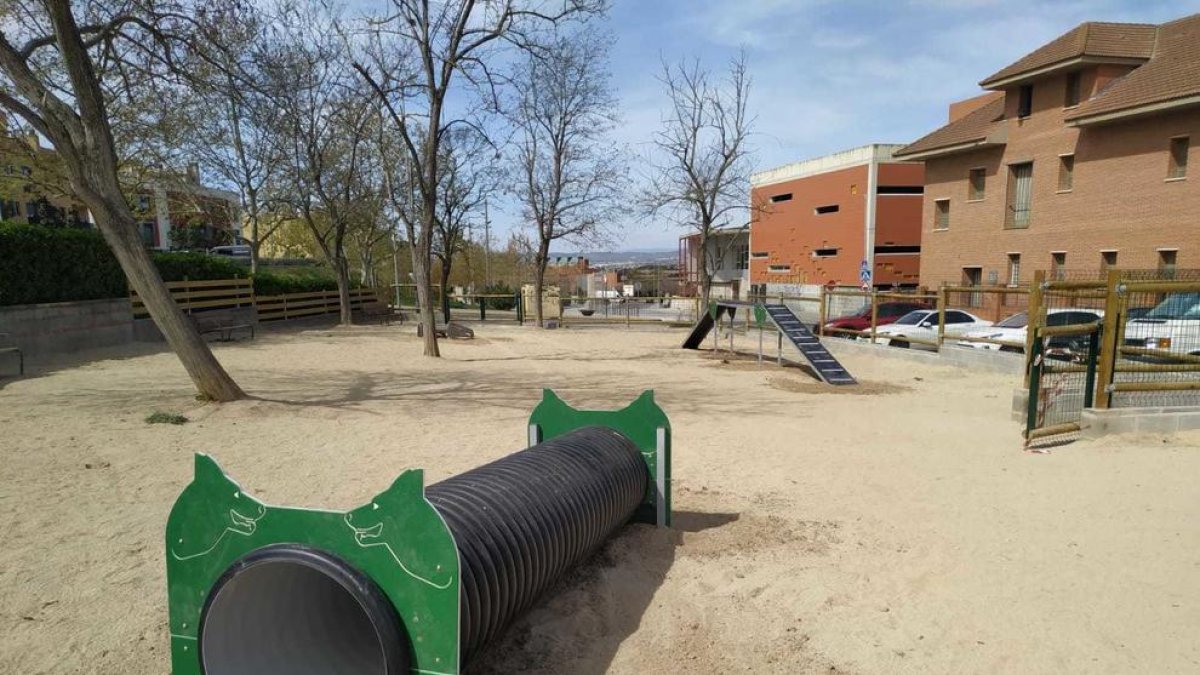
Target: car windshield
(912, 318)
(1177, 306)
(1015, 321)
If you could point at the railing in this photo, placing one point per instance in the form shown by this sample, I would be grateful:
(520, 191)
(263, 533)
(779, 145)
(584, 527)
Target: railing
(661, 310)
(297, 305)
(194, 296)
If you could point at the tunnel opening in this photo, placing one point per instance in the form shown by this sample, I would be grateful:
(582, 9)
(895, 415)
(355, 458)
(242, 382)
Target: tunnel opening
(292, 610)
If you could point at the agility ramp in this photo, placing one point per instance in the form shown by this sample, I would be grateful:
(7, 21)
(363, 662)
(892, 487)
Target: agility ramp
(419, 579)
(828, 368)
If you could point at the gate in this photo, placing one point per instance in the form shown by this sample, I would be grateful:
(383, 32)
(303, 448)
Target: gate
(1063, 363)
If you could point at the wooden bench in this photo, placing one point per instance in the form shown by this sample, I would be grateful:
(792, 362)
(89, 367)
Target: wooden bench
(7, 346)
(380, 312)
(225, 321)
(453, 330)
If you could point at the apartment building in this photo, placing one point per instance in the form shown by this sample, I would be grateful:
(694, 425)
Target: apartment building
(1078, 158)
(33, 187)
(852, 218)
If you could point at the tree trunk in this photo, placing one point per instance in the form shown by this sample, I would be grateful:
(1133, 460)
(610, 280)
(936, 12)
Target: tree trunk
(705, 275)
(207, 374)
(424, 285)
(445, 296)
(342, 267)
(539, 280)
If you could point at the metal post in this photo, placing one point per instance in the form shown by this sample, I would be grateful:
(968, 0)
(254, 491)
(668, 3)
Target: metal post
(520, 309)
(1033, 316)
(1035, 382)
(779, 347)
(482, 308)
(941, 307)
(1109, 339)
(760, 344)
(821, 313)
(874, 315)
(1089, 387)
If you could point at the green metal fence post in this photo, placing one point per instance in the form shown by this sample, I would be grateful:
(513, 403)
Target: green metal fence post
(482, 308)
(1035, 383)
(1089, 387)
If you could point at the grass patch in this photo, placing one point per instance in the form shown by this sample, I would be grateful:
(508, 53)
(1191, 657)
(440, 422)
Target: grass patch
(160, 417)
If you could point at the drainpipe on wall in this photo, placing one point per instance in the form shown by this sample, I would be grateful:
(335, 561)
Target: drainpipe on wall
(872, 201)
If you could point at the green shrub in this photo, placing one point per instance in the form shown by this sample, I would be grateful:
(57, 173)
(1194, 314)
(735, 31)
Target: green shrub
(278, 283)
(41, 264)
(160, 417)
(197, 267)
(502, 304)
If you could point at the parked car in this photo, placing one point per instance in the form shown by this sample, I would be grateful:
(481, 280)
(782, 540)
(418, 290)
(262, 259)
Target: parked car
(923, 325)
(1013, 330)
(1173, 325)
(861, 320)
(240, 251)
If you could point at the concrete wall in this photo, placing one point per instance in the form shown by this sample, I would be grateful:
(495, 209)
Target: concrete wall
(68, 326)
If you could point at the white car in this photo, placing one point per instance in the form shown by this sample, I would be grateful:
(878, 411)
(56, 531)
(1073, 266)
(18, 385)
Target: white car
(1013, 329)
(1172, 326)
(922, 324)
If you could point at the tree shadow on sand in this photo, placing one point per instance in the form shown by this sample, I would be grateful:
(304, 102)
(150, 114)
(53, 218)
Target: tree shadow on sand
(579, 625)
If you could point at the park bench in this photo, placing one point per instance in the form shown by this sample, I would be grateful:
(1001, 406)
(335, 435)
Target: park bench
(453, 330)
(380, 312)
(225, 321)
(7, 346)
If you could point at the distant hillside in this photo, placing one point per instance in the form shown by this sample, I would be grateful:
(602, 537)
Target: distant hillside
(627, 258)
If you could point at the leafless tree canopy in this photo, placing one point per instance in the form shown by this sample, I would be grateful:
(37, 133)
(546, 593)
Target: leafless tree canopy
(570, 171)
(411, 59)
(701, 180)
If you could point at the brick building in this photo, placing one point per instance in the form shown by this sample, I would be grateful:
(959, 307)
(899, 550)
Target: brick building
(820, 220)
(1077, 159)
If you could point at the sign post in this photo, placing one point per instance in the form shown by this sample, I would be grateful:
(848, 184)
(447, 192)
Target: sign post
(864, 275)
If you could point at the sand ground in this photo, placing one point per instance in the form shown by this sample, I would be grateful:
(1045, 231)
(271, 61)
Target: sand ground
(896, 529)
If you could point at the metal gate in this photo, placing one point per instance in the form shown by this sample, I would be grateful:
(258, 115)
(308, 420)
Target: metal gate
(1063, 364)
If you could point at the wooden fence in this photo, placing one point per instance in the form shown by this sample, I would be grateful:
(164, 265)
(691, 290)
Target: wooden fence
(202, 296)
(193, 296)
(297, 305)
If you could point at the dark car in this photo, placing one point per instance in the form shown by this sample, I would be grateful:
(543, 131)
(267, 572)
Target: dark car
(861, 320)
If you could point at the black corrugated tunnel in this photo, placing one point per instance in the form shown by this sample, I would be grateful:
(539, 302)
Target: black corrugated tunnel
(519, 523)
(523, 520)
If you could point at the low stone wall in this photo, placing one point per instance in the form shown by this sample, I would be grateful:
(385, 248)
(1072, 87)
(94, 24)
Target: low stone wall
(986, 360)
(68, 326)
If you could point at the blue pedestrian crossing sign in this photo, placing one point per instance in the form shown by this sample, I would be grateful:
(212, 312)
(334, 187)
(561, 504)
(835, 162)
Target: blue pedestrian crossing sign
(864, 272)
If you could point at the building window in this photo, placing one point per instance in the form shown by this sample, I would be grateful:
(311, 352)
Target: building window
(1025, 101)
(825, 253)
(973, 276)
(1066, 173)
(1014, 269)
(1108, 260)
(760, 254)
(786, 197)
(1166, 262)
(1058, 265)
(897, 249)
(742, 259)
(1020, 194)
(977, 184)
(898, 190)
(26, 171)
(941, 214)
(1179, 158)
(823, 210)
(1074, 87)
(779, 269)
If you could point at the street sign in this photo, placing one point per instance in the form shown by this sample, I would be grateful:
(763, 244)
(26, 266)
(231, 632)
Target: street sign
(864, 272)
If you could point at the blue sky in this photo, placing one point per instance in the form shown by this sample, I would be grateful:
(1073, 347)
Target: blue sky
(830, 75)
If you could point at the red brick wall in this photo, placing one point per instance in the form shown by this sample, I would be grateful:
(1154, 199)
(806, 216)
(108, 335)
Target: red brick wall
(1119, 200)
(898, 222)
(791, 231)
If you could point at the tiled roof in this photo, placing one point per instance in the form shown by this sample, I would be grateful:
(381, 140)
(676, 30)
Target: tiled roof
(1105, 40)
(974, 127)
(1172, 73)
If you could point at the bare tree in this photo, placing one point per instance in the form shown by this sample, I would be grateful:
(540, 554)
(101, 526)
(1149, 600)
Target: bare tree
(702, 172)
(329, 124)
(233, 127)
(411, 60)
(59, 76)
(468, 179)
(570, 170)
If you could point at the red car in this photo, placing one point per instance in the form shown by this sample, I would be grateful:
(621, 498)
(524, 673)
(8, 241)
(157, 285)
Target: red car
(861, 320)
